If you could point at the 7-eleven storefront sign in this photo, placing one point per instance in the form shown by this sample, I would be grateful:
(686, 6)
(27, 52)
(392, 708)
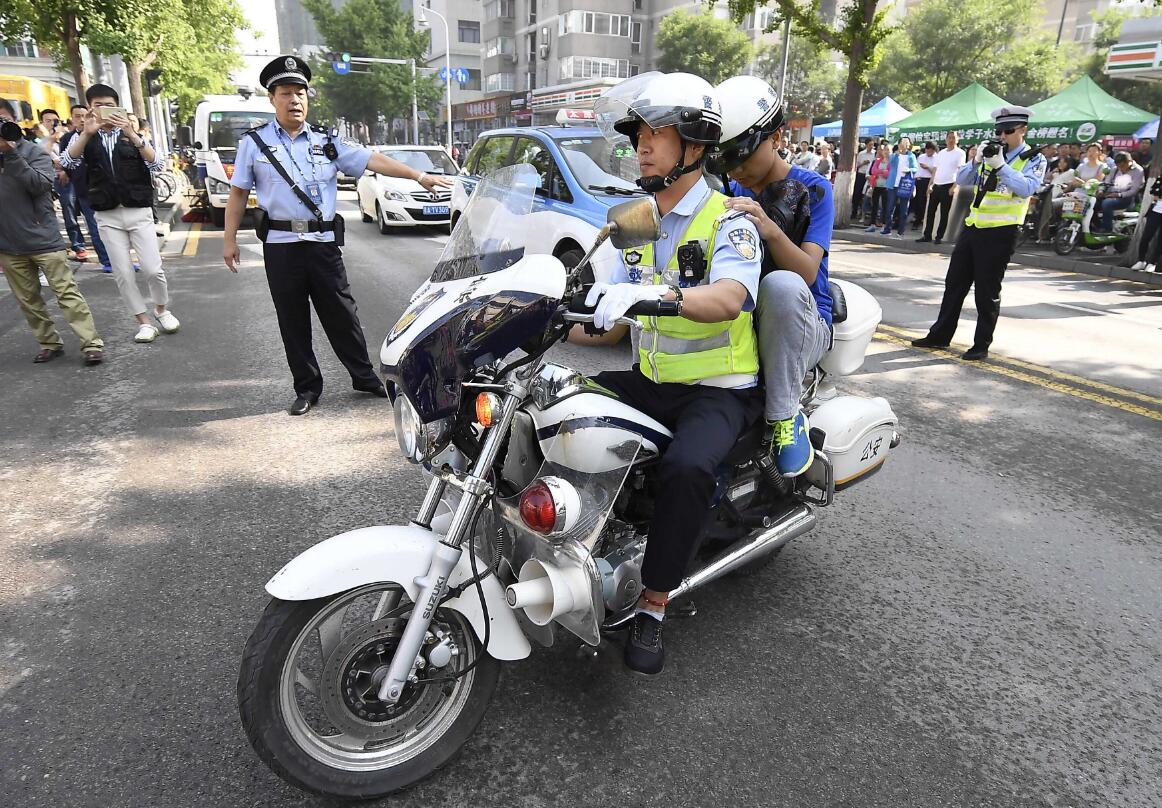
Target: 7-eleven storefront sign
(1133, 57)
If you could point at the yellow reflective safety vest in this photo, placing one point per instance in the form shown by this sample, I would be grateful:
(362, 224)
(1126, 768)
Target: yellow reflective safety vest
(999, 208)
(674, 349)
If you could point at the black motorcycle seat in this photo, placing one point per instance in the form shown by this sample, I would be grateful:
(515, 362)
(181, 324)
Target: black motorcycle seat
(747, 445)
(838, 303)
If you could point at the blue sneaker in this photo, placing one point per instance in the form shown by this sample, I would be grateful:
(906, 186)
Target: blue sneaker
(108, 270)
(790, 442)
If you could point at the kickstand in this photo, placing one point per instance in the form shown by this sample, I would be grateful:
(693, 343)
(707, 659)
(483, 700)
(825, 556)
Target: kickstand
(686, 609)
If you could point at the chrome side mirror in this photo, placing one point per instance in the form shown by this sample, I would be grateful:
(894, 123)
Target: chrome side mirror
(634, 223)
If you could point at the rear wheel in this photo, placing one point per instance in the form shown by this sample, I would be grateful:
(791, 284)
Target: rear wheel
(1065, 239)
(308, 684)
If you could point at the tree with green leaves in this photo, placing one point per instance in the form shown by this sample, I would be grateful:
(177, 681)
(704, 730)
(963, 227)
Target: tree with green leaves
(67, 22)
(814, 83)
(703, 45)
(944, 44)
(191, 42)
(376, 28)
(858, 32)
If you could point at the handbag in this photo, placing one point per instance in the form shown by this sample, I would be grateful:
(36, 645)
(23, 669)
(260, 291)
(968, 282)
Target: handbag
(907, 185)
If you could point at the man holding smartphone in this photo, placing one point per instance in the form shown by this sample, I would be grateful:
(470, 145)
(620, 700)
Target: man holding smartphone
(119, 165)
(31, 243)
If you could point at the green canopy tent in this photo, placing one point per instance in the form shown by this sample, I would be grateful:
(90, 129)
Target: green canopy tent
(1082, 112)
(968, 111)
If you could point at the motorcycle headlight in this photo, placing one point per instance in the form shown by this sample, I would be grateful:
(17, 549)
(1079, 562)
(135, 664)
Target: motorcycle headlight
(418, 441)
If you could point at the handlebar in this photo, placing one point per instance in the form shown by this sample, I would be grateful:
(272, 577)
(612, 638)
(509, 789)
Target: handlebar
(645, 308)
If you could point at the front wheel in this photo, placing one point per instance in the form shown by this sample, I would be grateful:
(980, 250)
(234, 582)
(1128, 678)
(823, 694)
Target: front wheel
(1065, 239)
(308, 683)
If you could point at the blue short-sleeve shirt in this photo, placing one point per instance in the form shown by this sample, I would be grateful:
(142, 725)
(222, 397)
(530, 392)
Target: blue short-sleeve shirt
(736, 239)
(305, 162)
(822, 208)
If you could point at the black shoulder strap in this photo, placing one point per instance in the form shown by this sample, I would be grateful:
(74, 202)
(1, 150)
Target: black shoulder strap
(299, 192)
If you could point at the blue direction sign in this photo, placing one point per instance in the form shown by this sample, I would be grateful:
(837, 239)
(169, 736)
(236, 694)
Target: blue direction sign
(461, 75)
(443, 74)
(342, 68)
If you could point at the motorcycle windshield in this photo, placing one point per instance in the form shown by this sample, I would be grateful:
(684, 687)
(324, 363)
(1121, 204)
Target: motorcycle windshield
(484, 299)
(481, 243)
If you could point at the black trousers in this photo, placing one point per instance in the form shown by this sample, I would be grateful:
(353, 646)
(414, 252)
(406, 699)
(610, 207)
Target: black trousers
(979, 259)
(305, 272)
(706, 422)
(857, 195)
(1150, 230)
(920, 201)
(942, 199)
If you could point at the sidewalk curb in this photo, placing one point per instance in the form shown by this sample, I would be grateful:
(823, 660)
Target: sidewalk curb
(1023, 256)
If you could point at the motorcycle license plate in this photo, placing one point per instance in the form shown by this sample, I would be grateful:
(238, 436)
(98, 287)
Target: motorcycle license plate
(1071, 206)
(436, 210)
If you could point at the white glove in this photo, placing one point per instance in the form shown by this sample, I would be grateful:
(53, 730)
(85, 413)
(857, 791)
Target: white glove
(616, 299)
(995, 162)
(978, 158)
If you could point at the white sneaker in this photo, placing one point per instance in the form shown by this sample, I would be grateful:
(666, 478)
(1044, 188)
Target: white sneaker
(146, 333)
(43, 280)
(1140, 266)
(1151, 268)
(169, 323)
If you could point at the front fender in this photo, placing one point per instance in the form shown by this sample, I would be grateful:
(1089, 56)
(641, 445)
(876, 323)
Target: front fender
(399, 554)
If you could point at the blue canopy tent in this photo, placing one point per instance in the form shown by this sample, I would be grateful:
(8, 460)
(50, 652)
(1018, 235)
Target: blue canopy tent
(874, 120)
(1149, 130)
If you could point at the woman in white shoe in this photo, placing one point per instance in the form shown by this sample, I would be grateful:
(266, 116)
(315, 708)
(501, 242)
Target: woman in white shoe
(119, 165)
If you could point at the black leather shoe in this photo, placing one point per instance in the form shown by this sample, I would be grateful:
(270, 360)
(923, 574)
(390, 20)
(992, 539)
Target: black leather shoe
(643, 647)
(301, 406)
(938, 241)
(378, 390)
(928, 342)
(975, 354)
(923, 239)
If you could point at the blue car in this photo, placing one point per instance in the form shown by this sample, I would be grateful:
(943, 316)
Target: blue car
(582, 175)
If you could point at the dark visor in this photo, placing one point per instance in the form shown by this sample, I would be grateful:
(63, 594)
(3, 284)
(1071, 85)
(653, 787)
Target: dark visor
(728, 156)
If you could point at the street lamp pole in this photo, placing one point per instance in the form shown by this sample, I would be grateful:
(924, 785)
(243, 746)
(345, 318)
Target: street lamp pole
(423, 21)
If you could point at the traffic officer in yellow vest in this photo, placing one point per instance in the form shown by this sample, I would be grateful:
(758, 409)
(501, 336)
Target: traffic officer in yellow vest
(697, 372)
(293, 168)
(1004, 174)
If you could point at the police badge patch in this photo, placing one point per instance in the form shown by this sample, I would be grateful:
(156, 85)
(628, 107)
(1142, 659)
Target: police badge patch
(744, 244)
(633, 258)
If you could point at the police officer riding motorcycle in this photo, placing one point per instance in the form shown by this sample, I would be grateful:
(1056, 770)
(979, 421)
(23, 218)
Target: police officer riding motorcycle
(553, 501)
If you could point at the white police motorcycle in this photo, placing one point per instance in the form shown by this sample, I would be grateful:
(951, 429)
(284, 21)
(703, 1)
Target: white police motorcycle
(381, 647)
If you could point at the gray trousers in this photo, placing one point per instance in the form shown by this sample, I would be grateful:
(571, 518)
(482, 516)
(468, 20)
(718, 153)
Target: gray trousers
(792, 340)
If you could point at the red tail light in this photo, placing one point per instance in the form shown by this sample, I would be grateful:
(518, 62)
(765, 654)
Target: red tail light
(538, 510)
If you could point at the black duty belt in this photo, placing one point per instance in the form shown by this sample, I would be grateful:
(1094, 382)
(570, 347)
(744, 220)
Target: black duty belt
(301, 225)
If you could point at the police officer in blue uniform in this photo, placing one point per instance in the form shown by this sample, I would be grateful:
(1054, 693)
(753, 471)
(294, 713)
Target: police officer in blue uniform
(293, 166)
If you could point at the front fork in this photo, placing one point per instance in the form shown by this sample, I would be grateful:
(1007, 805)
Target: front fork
(434, 582)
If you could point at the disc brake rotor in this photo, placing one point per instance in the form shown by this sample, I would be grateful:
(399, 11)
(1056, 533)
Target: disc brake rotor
(350, 684)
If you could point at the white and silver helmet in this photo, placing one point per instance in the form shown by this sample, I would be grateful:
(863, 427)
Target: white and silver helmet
(681, 100)
(751, 112)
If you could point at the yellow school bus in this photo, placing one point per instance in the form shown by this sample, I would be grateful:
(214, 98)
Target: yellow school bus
(30, 96)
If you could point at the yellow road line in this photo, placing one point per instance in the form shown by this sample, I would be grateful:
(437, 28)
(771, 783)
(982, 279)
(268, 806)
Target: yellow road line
(192, 237)
(1058, 387)
(1056, 374)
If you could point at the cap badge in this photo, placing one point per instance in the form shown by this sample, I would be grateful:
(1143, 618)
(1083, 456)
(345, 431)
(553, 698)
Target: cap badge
(290, 63)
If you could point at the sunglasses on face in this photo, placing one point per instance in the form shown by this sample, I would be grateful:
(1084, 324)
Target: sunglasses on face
(1007, 131)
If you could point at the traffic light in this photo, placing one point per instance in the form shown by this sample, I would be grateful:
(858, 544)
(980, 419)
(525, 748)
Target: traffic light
(152, 82)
